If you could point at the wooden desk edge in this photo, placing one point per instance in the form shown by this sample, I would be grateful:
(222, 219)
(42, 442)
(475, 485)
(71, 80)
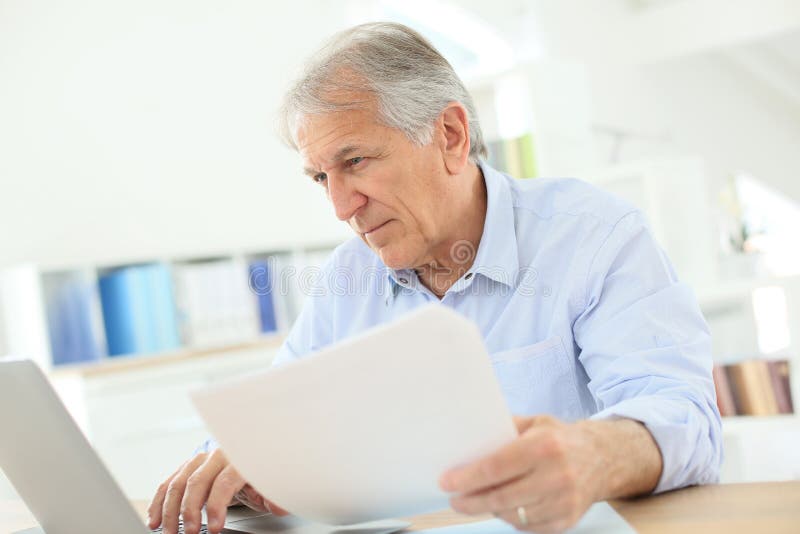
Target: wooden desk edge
(731, 508)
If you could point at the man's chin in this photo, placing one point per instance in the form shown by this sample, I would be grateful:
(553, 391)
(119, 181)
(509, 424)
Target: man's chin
(393, 259)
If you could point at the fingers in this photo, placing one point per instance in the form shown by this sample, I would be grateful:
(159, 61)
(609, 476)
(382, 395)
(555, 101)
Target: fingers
(198, 487)
(226, 484)
(535, 521)
(546, 516)
(251, 498)
(170, 513)
(165, 505)
(205, 479)
(154, 510)
(509, 462)
(519, 492)
(522, 423)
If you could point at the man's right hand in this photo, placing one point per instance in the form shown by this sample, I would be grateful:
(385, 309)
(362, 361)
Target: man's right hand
(207, 479)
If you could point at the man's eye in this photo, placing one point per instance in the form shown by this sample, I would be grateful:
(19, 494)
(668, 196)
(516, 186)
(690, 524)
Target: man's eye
(320, 178)
(355, 161)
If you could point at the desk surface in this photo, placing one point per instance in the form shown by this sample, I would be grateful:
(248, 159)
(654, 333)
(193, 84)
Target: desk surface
(731, 508)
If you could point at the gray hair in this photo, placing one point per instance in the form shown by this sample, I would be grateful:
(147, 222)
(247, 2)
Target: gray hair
(412, 83)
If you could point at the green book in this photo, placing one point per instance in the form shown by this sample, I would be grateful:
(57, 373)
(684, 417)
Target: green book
(527, 156)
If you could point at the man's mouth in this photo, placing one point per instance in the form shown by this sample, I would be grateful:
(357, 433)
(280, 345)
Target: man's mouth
(375, 228)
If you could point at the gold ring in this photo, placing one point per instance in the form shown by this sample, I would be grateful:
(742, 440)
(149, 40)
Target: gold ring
(522, 515)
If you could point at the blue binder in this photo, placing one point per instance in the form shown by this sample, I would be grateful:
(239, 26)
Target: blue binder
(261, 284)
(139, 310)
(73, 334)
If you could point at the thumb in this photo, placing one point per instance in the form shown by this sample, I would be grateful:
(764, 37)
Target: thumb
(522, 423)
(274, 508)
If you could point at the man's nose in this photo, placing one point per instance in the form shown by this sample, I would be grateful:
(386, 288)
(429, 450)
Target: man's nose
(345, 198)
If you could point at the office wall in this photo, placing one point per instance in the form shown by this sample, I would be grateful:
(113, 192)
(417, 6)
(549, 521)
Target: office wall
(140, 129)
(700, 105)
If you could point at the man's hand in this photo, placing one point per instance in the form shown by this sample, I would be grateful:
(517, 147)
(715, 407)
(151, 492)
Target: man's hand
(207, 479)
(554, 471)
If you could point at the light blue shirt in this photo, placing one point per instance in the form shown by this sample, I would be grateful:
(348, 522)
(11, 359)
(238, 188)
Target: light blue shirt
(581, 312)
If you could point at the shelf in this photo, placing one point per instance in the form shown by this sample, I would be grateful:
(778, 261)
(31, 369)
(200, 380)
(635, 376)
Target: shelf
(102, 262)
(742, 424)
(118, 364)
(733, 292)
(57, 315)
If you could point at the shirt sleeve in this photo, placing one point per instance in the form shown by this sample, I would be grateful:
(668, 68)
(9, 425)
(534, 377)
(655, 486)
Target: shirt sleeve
(647, 351)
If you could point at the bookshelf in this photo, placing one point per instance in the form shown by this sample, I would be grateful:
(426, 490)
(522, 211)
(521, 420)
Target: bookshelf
(135, 362)
(740, 335)
(154, 310)
(134, 406)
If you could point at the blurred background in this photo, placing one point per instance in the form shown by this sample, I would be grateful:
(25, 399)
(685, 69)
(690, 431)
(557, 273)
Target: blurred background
(155, 235)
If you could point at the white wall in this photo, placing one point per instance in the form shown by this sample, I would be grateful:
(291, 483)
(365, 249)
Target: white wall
(138, 129)
(700, 105)
(145, 128)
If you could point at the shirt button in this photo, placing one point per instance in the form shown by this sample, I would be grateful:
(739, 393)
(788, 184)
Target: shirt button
(403, 281)
(469, 275)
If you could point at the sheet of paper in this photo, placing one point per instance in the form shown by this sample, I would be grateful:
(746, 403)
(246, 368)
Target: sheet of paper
(599, 519)
(293, 525)
(242, 519)
(362, 430)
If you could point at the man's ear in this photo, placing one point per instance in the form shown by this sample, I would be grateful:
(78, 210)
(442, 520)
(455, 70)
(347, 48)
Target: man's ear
(452, 129)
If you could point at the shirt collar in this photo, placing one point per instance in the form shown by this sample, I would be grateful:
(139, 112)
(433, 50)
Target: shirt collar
(497, 256)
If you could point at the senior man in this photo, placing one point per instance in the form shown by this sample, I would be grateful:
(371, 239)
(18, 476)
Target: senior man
(601, 353)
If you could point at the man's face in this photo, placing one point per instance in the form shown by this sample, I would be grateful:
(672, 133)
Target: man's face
(393, 193)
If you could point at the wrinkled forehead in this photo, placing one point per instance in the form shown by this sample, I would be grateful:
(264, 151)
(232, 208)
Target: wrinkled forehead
(321, 137)
(317, 134)
(323, 107)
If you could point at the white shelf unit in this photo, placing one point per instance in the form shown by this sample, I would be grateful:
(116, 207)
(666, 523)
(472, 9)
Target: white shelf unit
(137, 413)
(26, 305)
(135, 408)
(729, 310)
(761, 448)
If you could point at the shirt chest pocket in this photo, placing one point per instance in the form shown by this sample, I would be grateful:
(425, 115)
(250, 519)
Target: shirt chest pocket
(538, 379)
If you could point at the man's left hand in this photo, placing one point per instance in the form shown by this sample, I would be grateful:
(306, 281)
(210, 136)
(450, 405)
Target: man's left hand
(544, 481)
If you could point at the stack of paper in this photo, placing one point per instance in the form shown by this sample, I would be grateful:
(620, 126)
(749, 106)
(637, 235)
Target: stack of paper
(363, 430)
(215, 303)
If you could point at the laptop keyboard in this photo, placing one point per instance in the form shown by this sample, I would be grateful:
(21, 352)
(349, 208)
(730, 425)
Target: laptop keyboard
(203, 528)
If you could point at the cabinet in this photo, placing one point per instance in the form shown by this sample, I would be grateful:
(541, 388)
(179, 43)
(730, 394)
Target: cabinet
(139, 417)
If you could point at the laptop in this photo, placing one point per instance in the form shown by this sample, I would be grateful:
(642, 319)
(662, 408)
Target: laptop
(67, 487)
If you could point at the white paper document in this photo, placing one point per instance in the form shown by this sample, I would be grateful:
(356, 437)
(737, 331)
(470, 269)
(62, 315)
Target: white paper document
(599, 519)
(363, 429)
